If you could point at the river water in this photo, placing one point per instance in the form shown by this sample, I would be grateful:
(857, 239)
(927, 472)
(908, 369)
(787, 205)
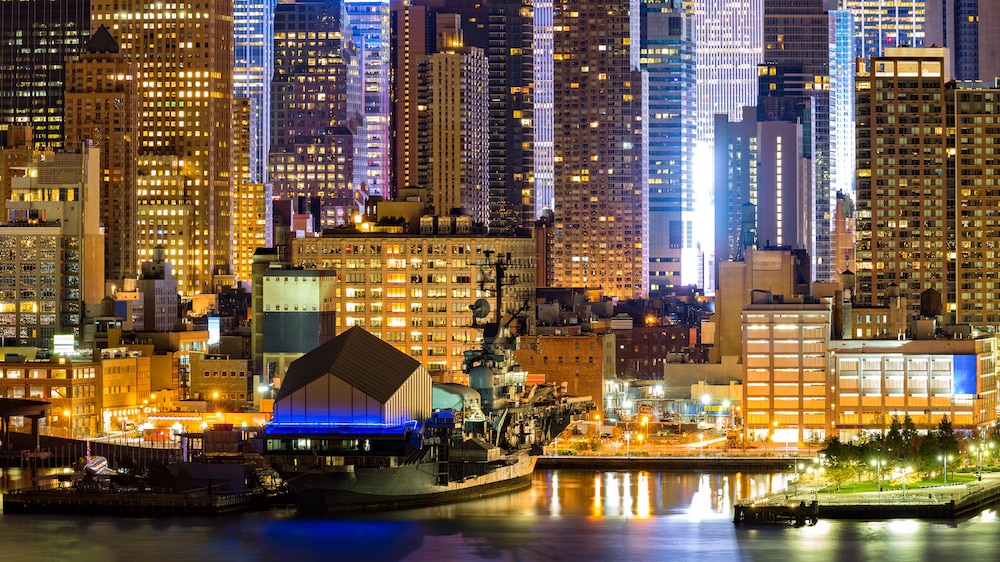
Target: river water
(570, 515)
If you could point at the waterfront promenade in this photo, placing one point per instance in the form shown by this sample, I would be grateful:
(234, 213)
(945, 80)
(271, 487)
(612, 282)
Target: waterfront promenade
(929, 502)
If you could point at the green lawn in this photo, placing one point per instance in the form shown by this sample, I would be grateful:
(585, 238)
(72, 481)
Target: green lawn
(855, 486)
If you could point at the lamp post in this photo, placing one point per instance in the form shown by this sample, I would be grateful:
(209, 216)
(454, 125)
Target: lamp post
(877, 463)
(701, 445)
(979, 450)
(628, 444)
(945, 459)
(903, 479)
(69, 422)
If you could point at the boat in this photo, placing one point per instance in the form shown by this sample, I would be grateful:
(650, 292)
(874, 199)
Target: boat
(355, 427)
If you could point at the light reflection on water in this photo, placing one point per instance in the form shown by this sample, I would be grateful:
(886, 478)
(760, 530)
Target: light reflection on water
(566, 515)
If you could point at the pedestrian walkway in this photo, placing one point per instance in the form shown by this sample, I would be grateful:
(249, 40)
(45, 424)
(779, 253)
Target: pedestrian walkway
(945, 501)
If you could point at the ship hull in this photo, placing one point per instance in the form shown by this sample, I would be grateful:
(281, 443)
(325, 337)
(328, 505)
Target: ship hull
(412, 485)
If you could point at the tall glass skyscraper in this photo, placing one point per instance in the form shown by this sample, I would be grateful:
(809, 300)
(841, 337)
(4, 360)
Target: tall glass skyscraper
(36, 37)
(880, 24)
(253, 65)
(369, 21)
(521, 150)
(841, 102)
(668, 57)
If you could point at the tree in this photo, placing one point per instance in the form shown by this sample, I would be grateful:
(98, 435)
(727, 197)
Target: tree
(910, 437)
(947, 442)
(894, 439)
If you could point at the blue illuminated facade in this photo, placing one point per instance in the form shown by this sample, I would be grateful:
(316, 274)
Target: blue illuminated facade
(668, 56)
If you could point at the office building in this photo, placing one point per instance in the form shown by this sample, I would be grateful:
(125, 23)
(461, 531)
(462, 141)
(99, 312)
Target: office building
(729, 40)
(521, 119)
(600, 230)
(184, 63)
(36, 38)
(102, 107)
(883, 24)
(319, 144)
(668, 57)
(369, 21)
(52, 248)
(964, 27)
(253, 66)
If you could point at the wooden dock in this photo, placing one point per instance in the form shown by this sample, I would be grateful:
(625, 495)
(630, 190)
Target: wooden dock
(798, 514)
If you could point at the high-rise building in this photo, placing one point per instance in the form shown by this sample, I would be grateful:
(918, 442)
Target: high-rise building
(453, 124)
(253, 49)
(668, 57)
(36, 37)
(52, 248)
(600, 232)
(926, 186)
(729, 41)
(964, 28)
(799, 33)
(882, 24)
(521, 150)
(841, 103)
(319, 144)
(251, 200)
(369, 21)
(102, 106)
(184, 67)
(736, 186)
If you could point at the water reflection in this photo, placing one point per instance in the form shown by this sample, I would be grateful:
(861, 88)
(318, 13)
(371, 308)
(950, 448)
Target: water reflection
(565, 515)
(645, 494)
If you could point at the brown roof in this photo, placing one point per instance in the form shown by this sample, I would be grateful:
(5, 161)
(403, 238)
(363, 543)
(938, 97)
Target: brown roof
(356, 357)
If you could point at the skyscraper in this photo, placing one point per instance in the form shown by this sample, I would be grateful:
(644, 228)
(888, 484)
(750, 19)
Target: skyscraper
(668, 57)
(453, 124)
(729, 41)
(600, 233)
(927, 186)
(799, 33)
(36, 37)
(521, 151)
(881, 24)
(184, 67)
(253, 33)
(102, 105)
(319, 145)
(369, 21)
(965, 28)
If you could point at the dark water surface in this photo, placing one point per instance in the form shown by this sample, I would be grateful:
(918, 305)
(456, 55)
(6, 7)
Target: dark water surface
(567, 515)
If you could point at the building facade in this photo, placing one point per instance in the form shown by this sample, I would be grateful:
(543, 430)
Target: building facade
(414, 291)
(600, 233)
(319, 144)
(37, 38)
(102, 106)
(668, 57)
(184, 61)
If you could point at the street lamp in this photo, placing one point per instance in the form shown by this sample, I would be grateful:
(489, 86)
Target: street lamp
(979, 450)
(945, 459)
(69, 422)
(877, 463)
(903, 479)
